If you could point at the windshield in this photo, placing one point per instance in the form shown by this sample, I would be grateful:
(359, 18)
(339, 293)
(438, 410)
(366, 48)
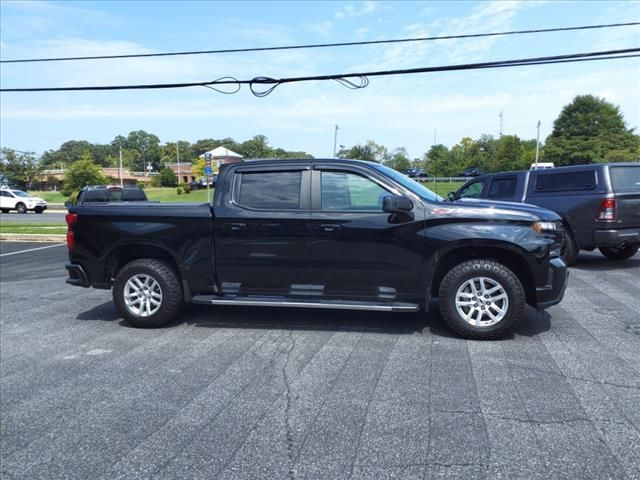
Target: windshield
(20, 193)
(408, 183)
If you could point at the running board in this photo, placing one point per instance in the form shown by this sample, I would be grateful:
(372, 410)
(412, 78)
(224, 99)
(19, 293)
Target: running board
(339, 305)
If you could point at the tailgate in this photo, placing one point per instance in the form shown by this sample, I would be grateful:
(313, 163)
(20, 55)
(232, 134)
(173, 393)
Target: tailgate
(625, 181)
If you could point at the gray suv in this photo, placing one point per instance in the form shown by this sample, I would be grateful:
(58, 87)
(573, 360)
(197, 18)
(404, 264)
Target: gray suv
(599, 203)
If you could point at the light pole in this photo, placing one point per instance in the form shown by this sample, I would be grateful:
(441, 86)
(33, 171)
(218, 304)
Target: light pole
(537, 144)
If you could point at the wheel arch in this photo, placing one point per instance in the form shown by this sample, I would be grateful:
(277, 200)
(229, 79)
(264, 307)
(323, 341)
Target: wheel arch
(510, 258)
(122, 254)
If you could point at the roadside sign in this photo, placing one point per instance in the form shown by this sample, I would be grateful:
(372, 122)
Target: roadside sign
(207, 170)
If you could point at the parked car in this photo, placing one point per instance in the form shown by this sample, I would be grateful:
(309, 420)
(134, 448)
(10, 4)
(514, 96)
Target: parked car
(109, 194)
(471, 172)
(416, 173)
(340, 234)
(22, 202)
(599, 203)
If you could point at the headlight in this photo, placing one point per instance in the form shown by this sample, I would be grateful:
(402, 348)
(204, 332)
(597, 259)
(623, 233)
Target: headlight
(540, 227)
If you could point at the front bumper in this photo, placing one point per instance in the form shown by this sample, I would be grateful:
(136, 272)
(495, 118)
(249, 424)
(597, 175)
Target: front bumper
(77, 276)
(616, 237)
(553, 292)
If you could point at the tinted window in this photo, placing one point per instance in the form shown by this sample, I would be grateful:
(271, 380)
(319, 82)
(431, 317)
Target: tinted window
(550, 182)
(502, 188)
(349, 191)
(625, 179)
(270, 190)
(128, 195)
(473, 190)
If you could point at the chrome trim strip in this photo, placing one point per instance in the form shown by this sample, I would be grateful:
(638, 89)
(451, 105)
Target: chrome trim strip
(278, 303)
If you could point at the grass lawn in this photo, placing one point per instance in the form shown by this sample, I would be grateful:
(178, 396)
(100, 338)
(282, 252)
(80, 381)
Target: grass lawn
(442, 188)
(41, 228)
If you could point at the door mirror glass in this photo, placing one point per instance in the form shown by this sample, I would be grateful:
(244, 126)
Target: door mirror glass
(396, 204)
(452, 196)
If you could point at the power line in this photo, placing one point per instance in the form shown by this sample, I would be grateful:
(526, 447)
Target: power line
(360, 80)
(323, 45)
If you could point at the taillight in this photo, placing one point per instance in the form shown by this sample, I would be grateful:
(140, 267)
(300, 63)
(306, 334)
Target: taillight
(607, 210)
(71, 219)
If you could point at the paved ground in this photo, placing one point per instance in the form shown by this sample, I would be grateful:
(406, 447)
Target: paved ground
(30, 217)
(235, 393)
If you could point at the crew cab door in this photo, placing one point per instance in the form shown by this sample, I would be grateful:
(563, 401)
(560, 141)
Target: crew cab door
(358, 251)
(6, 200)
(261, 231)
(504, 188)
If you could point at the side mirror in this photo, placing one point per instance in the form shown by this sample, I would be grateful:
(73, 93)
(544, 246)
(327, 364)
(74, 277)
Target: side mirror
(452, 196)
(396, 204)
(68, 203)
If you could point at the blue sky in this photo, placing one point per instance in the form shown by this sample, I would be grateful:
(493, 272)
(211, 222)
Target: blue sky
(393, 111)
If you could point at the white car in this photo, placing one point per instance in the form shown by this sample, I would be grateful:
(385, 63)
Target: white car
(11, 199)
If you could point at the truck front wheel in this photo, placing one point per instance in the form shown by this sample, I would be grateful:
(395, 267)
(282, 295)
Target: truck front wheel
(147, 293)
(481, 299)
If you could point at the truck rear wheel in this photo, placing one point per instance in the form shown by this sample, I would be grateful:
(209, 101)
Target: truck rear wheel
(481, 299)
(147, 293)
(622, 253)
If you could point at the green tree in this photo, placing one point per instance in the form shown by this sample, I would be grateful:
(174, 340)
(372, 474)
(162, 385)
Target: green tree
(437, 161)
(590, 130)
(148, 147)
(398, 160)
(168, 178)
(82, 173)
(19, 168)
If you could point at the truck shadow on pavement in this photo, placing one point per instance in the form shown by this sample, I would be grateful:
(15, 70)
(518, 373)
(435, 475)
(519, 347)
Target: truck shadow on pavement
(321, 320)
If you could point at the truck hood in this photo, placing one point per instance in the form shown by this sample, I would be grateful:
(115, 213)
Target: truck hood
(510, 208)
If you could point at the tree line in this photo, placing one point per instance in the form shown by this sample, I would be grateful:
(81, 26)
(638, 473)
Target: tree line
(589, 129)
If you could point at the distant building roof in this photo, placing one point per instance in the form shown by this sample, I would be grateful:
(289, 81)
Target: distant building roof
(221, 152)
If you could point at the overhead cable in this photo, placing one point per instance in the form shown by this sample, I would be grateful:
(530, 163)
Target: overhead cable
(263, 86)
(323, 45)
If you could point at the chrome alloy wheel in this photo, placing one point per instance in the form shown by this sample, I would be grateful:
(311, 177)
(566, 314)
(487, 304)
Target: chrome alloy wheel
(142, 295)
(482, 302)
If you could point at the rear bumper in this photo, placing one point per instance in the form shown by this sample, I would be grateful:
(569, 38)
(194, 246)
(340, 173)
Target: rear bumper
(77, 276)
(553, 292)
(616, 237)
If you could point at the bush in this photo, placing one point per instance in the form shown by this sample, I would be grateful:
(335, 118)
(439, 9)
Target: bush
(179, 191)
(167, 178)
(186, 188)
(156, 181)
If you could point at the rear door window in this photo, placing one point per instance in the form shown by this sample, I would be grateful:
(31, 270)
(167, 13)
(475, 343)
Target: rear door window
(555, 182)
(625, 179)
(502, 187)
(269, 190)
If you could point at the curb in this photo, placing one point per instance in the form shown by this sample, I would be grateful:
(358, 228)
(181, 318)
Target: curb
(33, 237)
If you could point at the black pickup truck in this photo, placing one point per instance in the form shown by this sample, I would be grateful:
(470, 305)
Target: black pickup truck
(599, 203)
(339, 234)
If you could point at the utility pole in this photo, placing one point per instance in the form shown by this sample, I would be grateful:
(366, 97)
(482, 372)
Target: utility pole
(538, 144)
(335, 141)
(178, 157)
(435, 138)
(120, 169)
(501, 120)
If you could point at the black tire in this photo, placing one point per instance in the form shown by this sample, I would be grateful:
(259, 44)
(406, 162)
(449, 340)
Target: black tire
(570, 252)
(623, 253)
(5, 210)
(494, 271)
(21, 208)
(38, 210)
(170, 288)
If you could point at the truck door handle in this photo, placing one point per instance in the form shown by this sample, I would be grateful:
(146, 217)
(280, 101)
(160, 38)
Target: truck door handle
(234, 226)
(330, 227)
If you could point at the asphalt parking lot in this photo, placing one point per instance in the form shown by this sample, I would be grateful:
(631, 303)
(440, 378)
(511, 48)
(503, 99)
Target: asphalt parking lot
(239, 393)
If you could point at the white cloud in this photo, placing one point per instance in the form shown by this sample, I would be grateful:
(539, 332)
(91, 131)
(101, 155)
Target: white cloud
(356, 9)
